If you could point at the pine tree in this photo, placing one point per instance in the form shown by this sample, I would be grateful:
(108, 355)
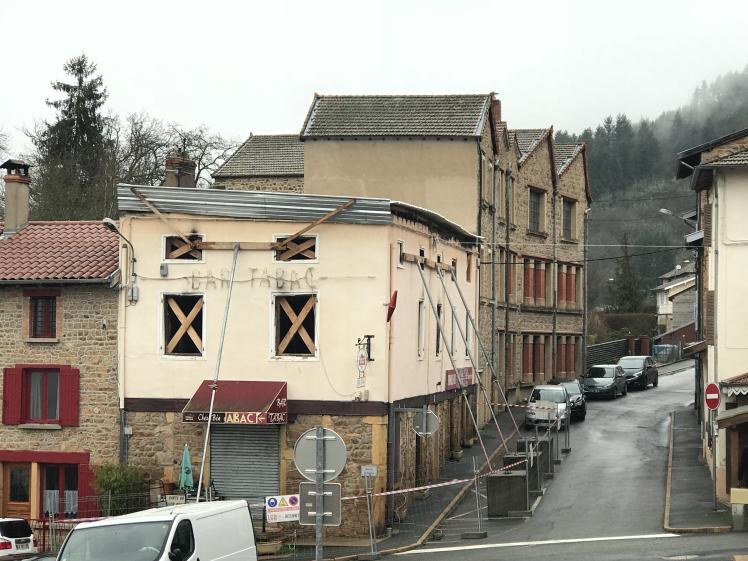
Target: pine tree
(74, 151)
(625, 290)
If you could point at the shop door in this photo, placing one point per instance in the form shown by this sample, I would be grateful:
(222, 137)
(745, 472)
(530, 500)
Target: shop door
(16, 490)
(245, 461)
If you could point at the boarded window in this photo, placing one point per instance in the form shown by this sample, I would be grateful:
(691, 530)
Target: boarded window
(295, 325)
(176, 249)
(302, 248)
(183, 324)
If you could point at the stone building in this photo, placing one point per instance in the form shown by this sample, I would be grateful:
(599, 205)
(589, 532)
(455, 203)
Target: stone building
(305, 311)
(58, 356)
(273, 162)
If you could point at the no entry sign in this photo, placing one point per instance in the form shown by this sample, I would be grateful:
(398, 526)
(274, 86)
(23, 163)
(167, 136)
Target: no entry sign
(711, 396)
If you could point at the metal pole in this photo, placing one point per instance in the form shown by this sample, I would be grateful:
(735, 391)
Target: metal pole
(483, 350)
(714, 458)
(477, 495)
(368, 484)
(454, 366)
(463, 336)
(319, 496)
(214, 385)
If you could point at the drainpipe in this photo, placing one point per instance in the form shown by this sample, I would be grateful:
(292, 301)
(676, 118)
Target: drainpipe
(555, 262)
(391, 413)
(713, 416)
(508, 182)
(586, 301)
(493, 266)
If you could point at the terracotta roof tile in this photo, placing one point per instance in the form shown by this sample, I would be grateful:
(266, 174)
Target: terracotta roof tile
(44, 251)
(739, 380)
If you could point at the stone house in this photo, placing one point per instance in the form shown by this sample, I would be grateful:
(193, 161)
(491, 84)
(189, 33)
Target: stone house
(58, 356)
(273, 162)
(718, 173)
(676, 298)
(304, 312)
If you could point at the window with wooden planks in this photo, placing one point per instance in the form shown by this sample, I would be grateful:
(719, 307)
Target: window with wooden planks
(176, 249)
(295, 325)
(183, 324)
(302, 248)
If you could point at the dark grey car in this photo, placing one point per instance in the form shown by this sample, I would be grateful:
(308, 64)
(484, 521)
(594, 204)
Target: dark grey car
(640, 371)
(604, 380)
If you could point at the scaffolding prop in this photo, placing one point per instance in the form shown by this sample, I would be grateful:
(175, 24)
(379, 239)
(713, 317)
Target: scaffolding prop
(494, 376)
(419, 266)
(474, 362)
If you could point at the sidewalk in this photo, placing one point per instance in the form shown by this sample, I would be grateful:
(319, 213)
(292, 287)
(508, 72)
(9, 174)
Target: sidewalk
(675, 367)
(688, 493)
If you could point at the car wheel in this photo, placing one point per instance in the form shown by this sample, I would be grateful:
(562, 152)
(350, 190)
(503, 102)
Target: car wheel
(644, 384)
(582, 416)
(625, 391)
(656, 381)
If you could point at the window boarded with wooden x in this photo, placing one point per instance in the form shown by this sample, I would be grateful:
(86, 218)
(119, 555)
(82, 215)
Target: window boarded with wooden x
(179, 250)
(183, 325)
(303, 248)
(295, 325)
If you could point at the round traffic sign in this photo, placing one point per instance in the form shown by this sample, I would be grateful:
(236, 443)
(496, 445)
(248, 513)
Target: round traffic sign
(712, 396)
(305, 454)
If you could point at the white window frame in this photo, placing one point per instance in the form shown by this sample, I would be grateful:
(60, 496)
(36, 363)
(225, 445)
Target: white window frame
(162, 327)
(181, 261)
(277, 237)
(400, 254)
(421, 329)
(317, 306)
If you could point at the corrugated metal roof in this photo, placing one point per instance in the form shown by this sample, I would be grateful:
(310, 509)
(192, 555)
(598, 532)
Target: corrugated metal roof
(253, 205)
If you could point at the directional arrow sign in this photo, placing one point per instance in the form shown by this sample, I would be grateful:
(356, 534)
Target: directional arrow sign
(712, 396)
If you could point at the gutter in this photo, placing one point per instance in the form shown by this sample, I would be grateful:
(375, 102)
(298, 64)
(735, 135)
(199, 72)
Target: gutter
(50, 282)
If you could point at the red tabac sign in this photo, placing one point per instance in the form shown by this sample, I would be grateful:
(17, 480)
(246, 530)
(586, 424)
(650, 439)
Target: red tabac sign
(465, 377)
(239, 403)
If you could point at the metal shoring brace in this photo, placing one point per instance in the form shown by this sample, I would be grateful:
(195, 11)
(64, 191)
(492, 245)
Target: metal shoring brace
(463, 336)
(483, 350)
(454, 366)
(214, 385)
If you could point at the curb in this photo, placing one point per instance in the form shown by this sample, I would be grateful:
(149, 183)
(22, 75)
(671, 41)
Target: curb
(668, 487)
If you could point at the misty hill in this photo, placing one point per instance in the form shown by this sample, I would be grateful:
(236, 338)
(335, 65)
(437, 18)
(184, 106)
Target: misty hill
(632, 168)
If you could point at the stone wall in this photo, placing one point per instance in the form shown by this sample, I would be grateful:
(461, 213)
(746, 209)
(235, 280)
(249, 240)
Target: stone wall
(284, 184)
(87, 340)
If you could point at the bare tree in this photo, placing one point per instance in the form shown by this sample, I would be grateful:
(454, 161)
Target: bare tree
(209, 150)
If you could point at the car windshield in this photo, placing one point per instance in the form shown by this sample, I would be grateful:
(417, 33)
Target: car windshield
(141, 541)
(631, 362)
(600, 372)
(572, 388)
(15, 529)
(543, 394)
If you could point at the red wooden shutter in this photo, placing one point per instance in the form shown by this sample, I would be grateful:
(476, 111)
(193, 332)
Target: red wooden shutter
(706, 224)
(69, 382)
(708, 319)
(88, 505)
(12, 395)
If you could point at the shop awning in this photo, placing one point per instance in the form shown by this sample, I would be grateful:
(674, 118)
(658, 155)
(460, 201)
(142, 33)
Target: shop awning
(239, 403)
(694, 348)
(732, 417)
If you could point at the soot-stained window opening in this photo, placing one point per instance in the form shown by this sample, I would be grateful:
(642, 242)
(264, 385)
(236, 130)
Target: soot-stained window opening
(295, 325)
(183, 324)
(303, 248)
(176, 249)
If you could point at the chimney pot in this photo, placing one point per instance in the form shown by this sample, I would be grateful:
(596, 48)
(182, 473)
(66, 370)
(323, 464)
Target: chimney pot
(17, 181)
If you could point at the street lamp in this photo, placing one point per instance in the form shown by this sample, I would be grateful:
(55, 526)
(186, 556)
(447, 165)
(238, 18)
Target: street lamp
(689, 223)
(111, 225)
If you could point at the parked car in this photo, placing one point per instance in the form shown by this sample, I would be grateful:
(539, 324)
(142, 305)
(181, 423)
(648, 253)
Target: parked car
(543, 397)
(576, 397)
(605, 380)
(640, 371)
(207, 531)
(16, 537)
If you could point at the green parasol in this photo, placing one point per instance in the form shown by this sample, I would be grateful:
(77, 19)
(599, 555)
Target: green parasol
(185, 475)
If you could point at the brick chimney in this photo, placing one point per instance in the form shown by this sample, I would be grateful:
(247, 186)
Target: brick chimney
(17, 181)
(180, 171)
(496, 109)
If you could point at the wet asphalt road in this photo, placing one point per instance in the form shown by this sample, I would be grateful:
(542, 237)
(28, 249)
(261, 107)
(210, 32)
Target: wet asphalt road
(611, 485)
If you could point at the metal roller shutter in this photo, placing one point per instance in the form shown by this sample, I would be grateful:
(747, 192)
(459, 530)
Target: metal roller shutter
(245, 461)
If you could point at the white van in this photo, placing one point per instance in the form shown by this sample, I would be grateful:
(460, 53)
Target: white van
(208, 531)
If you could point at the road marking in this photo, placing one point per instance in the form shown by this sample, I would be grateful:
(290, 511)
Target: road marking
(543, 542)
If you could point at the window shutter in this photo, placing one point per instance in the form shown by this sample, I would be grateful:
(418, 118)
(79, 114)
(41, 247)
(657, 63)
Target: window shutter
(69, 382)
(87, 506)
(706, 225)
(709, 318)
(12, 392)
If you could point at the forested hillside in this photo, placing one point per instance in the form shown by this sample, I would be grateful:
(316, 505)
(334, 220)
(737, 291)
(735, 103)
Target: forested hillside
(632, 168)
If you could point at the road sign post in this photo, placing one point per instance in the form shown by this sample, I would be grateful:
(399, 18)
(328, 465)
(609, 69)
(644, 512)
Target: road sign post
(712, 399)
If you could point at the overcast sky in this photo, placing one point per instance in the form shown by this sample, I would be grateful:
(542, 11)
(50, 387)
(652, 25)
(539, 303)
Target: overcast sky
(254, 66)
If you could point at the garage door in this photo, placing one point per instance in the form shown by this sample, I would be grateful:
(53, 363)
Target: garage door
(245, 461)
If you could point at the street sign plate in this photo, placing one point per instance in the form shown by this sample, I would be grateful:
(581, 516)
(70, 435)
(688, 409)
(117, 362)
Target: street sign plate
(282, 508)
(712, 396)
(425, 423)
(305, 454)
(368, 471)
(331, 503)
